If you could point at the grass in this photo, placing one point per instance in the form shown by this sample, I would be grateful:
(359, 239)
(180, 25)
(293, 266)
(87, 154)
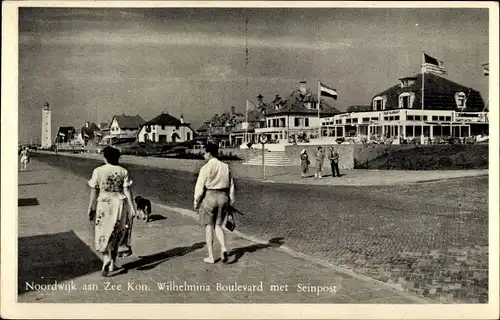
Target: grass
(432, 157)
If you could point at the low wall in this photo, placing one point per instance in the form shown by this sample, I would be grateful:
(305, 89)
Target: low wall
(365, 153)
(244, 154)
(421, 157)
(346, 157)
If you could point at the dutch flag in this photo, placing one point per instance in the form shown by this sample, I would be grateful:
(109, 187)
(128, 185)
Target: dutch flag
(327, 91)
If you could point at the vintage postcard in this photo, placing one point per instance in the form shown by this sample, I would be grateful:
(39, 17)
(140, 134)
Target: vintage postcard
(249, 160)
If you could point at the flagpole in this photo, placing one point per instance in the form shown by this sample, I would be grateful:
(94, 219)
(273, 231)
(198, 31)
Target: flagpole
(319, 105)
(246, 125)
(423, 85)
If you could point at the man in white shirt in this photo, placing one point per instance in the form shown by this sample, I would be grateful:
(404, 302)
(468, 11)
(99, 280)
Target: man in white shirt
(213, 194)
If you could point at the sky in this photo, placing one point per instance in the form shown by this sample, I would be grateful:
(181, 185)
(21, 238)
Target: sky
(93, 63)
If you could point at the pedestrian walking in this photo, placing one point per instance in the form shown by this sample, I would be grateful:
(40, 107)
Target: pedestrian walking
(333, 156)
(304, 162)
(112, 207)
(25, 158)
(320, 157)
(213, 196)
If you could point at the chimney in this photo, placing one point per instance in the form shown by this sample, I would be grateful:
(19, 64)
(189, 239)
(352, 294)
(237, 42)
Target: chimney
(182, 118)
(303, 89)
(260, 98)
(233, 110)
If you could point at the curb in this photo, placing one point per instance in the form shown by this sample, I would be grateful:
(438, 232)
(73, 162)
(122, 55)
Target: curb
(293, 253)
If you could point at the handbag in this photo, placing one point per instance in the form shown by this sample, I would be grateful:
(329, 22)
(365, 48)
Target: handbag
(230, 222)
(92, 214)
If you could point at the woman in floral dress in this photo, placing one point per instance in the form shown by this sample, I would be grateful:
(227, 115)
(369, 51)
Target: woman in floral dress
(112, 207)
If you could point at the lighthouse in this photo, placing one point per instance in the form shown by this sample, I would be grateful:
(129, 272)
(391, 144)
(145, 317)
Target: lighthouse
(46, 141)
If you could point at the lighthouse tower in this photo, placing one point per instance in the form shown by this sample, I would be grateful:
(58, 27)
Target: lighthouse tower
(46, 132)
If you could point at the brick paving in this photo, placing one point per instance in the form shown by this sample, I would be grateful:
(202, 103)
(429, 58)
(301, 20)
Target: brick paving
(428, 238)
(55, 245)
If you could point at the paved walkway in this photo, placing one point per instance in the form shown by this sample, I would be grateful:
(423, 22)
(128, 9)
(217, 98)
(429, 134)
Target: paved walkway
(55, 240)
(357, 177)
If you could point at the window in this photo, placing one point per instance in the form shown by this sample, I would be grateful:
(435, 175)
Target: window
(396, 118)
(441, 118)
(378, 104)
(306, 122)
(297, 122)
(365, 120)
(448, 118)
(386, 118)
(163, 127)
(425, 118)
(374, 118)
(461, 99)
(283, 122)
(188, 136)
(404, 101)
(410, 118)
(348, 121)
(269, 123)
(434, 118)
(338, 121)
(417, 118)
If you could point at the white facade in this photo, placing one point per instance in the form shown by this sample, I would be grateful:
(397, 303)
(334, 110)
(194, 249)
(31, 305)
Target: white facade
(159, 133)
(289, 123)
(116, 131)
(404, 123)
(46, 141)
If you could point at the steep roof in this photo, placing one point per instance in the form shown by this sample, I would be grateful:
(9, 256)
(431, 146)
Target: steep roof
(165, 119)
(129, 122)
(254, 116)
(296, 103)
(359, 108)
(439, 94)
(66, 130)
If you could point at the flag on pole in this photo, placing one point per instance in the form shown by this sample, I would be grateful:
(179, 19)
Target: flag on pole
(433, 65)
(327, 91)
(486, 69)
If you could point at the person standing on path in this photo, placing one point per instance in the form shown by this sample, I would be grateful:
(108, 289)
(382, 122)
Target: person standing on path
(320, 157)
(304, 162)
(112, 207)
(25, 158)
(333, 156)
(213, 195)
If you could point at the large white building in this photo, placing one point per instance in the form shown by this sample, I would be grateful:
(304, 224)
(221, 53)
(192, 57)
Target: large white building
(449, 110)
(165, 128)
(294, 116)
(46, 141)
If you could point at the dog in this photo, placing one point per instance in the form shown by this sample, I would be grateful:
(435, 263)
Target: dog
(143, 208)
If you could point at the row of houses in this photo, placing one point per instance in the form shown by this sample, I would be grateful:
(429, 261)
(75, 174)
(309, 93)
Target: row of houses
(448, 110)
(163, 128)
